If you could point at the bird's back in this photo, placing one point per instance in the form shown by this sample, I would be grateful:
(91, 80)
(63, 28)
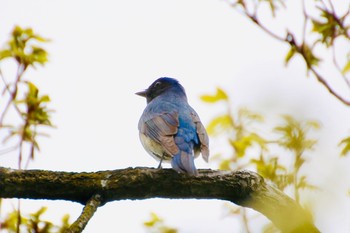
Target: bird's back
(170, 129)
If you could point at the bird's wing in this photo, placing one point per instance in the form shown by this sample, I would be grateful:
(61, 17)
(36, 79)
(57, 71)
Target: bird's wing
(202, 135)
(161, 128)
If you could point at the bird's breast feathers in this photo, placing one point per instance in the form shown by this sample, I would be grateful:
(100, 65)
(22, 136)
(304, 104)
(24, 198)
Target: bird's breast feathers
(155, 149)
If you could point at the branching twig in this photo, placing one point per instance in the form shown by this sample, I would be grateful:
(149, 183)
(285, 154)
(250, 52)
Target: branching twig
(289, 38)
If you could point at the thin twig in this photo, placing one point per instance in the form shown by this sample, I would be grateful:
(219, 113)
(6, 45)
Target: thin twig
(245, 220)
(331, 6)
(88, 211)
(325, 84)
(20, 155)
(21, 143)
(19, 219)
(306, 16)
(265, 29)
(299, 48)
(337, 66)
(7, 150)
(13, 94)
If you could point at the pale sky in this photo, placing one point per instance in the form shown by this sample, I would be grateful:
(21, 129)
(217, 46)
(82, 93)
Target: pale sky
(102, 52)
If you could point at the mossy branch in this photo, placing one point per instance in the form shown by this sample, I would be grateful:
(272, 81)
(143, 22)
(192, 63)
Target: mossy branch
(244, 188)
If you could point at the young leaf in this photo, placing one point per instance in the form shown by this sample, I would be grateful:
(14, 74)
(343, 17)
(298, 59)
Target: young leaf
(245, 142)
(219, 95)
(310, 58)
(21, 47)
(346, 146)
(346, 68)
(289, 55)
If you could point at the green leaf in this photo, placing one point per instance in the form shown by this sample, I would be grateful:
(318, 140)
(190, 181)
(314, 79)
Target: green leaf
(33, 90)
(241, 146)
(65, 224)
(38, 55)
(272, 170)
(153, 221)
(326, 31)
(40, 212)
(23, 47)
(310, 58)
(294, 134)
(245, 142)
(346, 146)
(329, 26)
(45, 99)
(5, 54)
(219, 95)
(289, 55)
(346, 68)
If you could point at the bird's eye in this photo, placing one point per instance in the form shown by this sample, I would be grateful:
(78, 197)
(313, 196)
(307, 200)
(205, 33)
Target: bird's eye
(157, 84)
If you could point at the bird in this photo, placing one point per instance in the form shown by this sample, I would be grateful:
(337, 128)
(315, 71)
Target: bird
(170, 130)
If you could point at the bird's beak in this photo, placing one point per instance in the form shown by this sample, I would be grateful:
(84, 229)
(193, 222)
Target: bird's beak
(142, 93)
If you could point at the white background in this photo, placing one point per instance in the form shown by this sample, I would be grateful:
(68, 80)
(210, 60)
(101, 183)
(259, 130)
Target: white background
(102, 52)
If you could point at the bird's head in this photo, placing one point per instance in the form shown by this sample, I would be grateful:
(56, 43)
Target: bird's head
(161, 86)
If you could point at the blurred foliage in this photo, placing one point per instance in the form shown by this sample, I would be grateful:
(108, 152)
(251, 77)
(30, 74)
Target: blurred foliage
(324, 28)
(23, 96)
(20, 98)
(250, 147)
(243, 134)
(329, 26)
(22, 47)
(262, 152)
(157, 225)
(33, 223)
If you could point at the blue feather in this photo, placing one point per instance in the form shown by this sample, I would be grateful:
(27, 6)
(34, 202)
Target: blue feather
(170, 130)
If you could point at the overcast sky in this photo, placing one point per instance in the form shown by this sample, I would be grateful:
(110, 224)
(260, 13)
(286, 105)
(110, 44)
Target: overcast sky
(102, 52)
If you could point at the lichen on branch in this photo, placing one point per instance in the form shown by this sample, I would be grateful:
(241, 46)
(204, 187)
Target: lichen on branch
(244, 188)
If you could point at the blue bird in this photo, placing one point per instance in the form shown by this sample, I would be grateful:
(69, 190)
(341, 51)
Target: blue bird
(169, 129)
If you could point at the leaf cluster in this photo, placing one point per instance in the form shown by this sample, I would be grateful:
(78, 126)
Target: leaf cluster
(240, 128)
(30, 107)
(24, 49)
(252, 148)
(33, 223)
(327, 26)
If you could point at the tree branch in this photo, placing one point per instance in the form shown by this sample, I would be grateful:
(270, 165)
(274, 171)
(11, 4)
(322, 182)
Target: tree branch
(243, 188)
(88, 211)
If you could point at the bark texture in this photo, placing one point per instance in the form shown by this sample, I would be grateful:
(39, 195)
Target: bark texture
(244, 188)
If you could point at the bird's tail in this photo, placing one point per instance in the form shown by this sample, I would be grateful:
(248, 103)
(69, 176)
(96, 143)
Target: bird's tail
(184, 162)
